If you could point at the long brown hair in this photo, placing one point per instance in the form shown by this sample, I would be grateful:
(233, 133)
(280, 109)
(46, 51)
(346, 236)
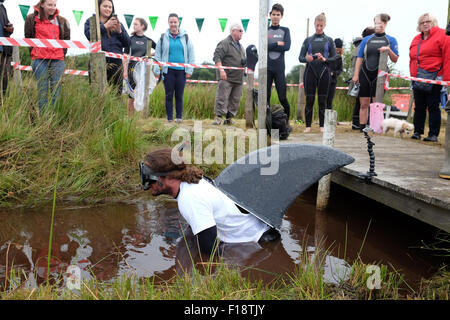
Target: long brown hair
(42, 13)
(161, 161)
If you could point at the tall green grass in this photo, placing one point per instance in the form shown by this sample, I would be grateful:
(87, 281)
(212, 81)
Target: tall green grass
(100, 151)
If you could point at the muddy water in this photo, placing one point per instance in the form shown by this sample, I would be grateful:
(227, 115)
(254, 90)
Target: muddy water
(147, 238)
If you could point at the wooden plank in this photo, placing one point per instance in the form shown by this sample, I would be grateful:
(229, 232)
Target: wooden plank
(424, 211)
(301, 102)
(249, 110)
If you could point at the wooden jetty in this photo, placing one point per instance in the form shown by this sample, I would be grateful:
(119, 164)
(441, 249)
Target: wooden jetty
(407, 174)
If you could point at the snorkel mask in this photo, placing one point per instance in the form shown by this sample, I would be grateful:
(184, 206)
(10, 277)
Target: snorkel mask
(148, 177)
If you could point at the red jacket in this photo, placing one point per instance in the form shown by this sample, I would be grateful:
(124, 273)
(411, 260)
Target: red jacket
(47, 29)
(434, 53)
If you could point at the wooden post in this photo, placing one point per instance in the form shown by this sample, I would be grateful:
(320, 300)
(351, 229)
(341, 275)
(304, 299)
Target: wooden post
(17, 74)
(97, 61)
(445, 171)
(148, 70)
(301, 102)
(329, 134)
(382, 66)
(249, 112)
(262, 74)
(409, 117)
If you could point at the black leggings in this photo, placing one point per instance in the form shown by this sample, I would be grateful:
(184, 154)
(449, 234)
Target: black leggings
(280, 85)
(320, 82)
(114, 73)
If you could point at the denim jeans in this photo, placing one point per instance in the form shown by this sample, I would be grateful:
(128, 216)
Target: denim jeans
(48, 74)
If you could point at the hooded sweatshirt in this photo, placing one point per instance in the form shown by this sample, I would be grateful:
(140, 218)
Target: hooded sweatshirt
(54, 27)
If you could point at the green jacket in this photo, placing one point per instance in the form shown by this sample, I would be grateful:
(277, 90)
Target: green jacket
(230, 56)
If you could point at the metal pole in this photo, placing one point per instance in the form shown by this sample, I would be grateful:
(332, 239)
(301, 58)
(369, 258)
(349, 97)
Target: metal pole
(262, 73)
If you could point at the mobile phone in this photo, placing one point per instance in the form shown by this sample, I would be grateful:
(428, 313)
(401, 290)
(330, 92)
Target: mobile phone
(114, 15)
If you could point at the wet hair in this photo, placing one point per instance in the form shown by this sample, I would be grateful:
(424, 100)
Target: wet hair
(368, 31)
(173, 15)
(321, 17)
(143, 22)
(161, 161)
(277, 7)
(383, 17)
(433, 19)
(338, 43)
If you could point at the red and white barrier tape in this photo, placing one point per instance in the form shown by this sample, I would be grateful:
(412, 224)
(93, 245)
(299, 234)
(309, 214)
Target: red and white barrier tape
(50, 43)
(17, 66)
(442, 83)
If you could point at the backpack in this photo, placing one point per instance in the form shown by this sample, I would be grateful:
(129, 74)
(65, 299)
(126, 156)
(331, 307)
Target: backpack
(276, 118)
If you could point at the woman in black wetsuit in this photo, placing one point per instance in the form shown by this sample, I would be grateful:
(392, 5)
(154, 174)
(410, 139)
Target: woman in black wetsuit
(317, 51)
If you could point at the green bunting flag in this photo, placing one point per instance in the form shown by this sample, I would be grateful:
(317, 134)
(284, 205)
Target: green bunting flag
(153, 20)
(200, 23)
(129, 19)
(78, 15)
(245, 24)
(181, 19)
(24, 10)
(269, 21)
(223, 23)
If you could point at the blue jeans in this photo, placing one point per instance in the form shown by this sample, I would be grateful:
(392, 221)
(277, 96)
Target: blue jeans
(174, 82)
(48, 74)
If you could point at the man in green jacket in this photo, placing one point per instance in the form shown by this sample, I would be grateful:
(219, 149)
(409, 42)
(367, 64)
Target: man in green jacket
(229, 52)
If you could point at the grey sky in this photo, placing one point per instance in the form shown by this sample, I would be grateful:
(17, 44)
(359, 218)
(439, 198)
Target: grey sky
(345, 19)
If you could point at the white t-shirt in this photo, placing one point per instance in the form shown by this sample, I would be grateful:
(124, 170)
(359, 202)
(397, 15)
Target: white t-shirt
(204, 206)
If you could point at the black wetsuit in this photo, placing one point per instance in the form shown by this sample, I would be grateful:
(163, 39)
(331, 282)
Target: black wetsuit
(276, 64)
(335, 69)
(317, 74)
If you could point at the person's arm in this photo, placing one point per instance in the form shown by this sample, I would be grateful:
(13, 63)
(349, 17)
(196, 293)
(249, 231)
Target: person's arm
(219, 53)
(157, 57)
(124, 38)
(286, 43)
(207, 241)
(304, 56)
(191, 58)
(357, 69)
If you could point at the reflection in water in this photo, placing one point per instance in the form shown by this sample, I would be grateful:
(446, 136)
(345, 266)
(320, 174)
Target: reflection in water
(150, 239)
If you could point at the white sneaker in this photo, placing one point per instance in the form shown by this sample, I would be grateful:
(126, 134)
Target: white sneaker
(179, 120)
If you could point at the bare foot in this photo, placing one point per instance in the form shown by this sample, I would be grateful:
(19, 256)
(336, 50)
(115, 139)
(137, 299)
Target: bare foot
(308, 129)
(321, 129)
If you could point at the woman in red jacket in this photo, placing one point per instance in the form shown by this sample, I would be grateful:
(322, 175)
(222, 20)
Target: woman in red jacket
(428, 51)
(47, 63)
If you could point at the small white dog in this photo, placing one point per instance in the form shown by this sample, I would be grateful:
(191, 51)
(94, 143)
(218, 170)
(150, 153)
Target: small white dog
(399, 126)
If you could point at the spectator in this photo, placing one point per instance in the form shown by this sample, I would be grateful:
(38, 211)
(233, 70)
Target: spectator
(428, 52)
(114, 38)
(366, 68)
(174, 46)
(138, 48)
(366, 32)
(229, 52)
(336, 68)
(47, 63)
(317, 52)
(278, 43)
(6, 29)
